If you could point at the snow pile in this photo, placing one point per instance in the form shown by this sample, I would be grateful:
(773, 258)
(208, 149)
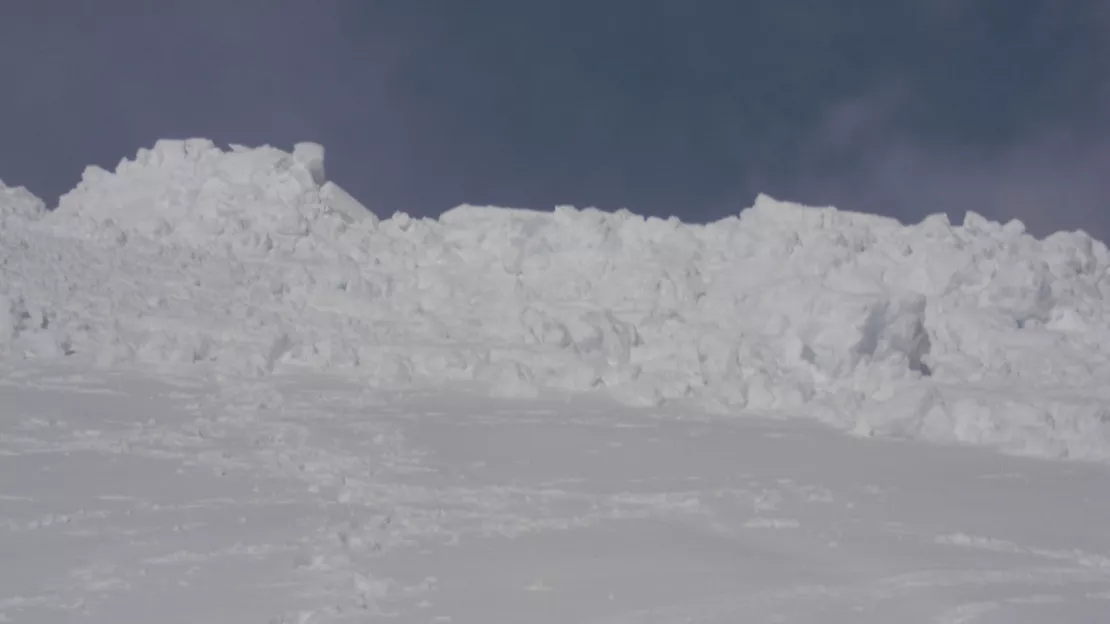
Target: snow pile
(192, 194)
(249, 261)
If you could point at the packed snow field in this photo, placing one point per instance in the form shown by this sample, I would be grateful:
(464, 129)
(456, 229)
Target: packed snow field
(232, 393)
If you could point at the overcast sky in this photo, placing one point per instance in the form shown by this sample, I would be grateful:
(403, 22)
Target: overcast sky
(691, 108)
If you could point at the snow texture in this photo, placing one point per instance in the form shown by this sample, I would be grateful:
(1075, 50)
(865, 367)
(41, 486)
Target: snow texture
(308, 498)
(249, 262)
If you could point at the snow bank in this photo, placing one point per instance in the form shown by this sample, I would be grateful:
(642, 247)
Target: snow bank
(248, 261)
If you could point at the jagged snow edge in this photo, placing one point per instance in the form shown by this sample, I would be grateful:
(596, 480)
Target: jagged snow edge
(918, 331)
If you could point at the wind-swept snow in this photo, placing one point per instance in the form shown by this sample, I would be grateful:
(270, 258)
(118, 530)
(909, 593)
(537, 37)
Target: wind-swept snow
(249, 262)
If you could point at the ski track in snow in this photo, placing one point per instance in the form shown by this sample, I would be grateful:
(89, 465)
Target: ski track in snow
(309, 498)
(229, 393)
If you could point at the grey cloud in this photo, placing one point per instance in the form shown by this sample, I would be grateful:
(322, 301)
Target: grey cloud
(868, 151)
(659, 106)
(1048, 183)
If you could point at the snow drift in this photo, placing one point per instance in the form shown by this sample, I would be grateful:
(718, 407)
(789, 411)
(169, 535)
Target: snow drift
(249, 261)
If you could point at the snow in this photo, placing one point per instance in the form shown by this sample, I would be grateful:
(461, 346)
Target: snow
(231, 389)
(249, 261)
(311, 498)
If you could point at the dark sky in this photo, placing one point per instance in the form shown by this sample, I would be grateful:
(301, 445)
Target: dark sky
(901, 107)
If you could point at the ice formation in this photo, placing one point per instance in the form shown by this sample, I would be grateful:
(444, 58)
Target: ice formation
(248, 261)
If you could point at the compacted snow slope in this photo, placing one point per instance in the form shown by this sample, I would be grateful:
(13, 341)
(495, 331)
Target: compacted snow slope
(249, 262)
(309, 499)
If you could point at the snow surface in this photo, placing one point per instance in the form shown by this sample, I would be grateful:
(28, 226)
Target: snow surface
(248, 261)
(310, 499)
(231, 393)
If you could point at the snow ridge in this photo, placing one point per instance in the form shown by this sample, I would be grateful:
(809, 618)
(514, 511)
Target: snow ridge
(248, 261)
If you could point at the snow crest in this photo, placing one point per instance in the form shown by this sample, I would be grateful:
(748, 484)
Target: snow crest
(248, 261)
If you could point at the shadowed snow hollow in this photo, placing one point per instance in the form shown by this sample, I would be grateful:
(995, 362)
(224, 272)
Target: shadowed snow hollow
(246, 260)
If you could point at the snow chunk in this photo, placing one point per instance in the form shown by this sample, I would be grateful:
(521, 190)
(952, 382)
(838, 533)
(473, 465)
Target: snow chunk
(311, 157)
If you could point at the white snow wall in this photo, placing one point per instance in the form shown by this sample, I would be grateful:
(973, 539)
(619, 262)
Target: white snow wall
(248, 261)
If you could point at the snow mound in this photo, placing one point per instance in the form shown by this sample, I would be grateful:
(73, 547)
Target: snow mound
(192, 194)
(249, 261)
